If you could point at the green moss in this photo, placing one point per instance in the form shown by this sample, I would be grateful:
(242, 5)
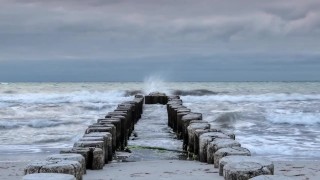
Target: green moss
(148, 147)
(195, 157)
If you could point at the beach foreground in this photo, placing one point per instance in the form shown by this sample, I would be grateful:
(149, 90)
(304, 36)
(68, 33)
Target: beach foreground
(163, 169)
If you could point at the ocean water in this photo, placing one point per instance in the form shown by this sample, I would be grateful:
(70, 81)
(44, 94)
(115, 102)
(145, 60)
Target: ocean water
(280, 120)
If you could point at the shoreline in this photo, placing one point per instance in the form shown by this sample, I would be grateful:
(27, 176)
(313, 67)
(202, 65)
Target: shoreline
(12, 166)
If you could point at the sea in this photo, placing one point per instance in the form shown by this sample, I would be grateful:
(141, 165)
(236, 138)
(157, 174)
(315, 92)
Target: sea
(278, 120)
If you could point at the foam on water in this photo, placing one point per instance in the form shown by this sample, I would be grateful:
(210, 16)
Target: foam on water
(278, 120)
(36, 123)
(71, 97)
(15, 149)
(297, 118)
(280, 147)
(270, 97)
(47, 119)
(282, 126)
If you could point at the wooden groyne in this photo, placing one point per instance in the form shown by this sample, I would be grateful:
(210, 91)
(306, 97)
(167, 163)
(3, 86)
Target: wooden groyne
(201, 141)
(95, 149)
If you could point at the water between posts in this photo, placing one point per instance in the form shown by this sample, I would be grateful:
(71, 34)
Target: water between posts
(152, 139)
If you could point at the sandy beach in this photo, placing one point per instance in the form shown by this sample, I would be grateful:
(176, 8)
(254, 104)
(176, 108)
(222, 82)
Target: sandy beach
(12, 166)
(158, 169)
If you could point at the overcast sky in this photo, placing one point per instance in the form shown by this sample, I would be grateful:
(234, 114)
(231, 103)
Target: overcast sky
(182, 40)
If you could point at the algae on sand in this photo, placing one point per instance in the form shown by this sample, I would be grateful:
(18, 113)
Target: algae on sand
(141, 153)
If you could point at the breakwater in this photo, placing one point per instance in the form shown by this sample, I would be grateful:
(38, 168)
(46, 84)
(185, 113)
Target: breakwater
(96, 148)
(202, 142)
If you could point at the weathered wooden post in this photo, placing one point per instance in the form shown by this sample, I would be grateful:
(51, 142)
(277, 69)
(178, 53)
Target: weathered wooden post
(204, 139)
(217, 144)
(106, 137)
(58, 166)
(194, 124)
(230, 151)
(266, 163)
(100, 160)
(185, 120)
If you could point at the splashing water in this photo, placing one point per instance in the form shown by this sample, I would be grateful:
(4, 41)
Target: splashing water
(155, 83)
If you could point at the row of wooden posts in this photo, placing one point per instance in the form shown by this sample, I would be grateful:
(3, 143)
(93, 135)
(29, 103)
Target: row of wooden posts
(212, 145)
(201, 141)
(95, 149)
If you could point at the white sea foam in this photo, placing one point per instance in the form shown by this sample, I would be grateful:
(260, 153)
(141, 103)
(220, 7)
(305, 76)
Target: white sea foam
(49, 123)
(279, 150)
(38, 123)
(155, 84)
(298, 118)
(14, 149)
(253, 98)
(72, 97)
(8, 125)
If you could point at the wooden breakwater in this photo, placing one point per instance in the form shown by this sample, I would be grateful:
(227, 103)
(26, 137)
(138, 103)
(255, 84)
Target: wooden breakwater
(95, 149)
(201, 141)
(212, 145)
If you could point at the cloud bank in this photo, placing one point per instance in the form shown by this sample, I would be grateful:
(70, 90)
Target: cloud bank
(272, 34)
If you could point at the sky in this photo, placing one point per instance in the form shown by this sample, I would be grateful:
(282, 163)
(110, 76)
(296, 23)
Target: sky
(181, 40)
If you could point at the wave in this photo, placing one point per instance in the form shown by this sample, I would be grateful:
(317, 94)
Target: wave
(227, 120)
(132, 92)
(279, 148)
(271, 97)
(9, 92)
(39, 123)
(96, 106)
(49, 123)
(52, 140)
(298, 118)
(9, 125)
(71, 97)
(197, 92)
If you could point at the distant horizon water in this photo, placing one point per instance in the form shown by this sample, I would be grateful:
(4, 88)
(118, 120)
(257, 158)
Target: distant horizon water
(143, 81)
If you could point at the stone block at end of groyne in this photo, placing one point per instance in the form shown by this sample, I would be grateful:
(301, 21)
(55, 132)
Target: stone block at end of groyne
(156, 98)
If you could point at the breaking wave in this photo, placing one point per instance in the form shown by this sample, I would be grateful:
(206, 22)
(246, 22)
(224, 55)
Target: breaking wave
(52, 140)
(197, 92)
(9, 92)
(72, 97)
(298, 118)
(8, 125)
(254, 98)
(132, 92)
(40, 123)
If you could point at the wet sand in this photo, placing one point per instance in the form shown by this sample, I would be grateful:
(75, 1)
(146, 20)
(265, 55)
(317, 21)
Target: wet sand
(157, 169)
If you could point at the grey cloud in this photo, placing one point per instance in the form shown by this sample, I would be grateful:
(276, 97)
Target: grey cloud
(287, 13)
(248, 31)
